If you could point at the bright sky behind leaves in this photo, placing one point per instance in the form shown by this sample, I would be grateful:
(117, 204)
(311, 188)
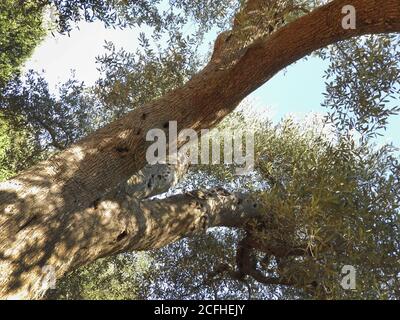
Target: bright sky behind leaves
(296, 90)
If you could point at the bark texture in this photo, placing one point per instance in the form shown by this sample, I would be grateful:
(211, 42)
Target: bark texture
(75, 207)
(119, 223)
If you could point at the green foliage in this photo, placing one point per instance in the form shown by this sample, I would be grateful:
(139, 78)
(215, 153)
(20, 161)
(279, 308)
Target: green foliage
(339, 200)
(191, 282)
(5, 141)
(18, 149)
(35, 123)
(363, 85)
(165, 60)
(208, 13)
(121, 13)
(54, 121)
(22, 25)
(21, 29)
(321, 190)
(124, 277)
(159, 14)
(132, 79)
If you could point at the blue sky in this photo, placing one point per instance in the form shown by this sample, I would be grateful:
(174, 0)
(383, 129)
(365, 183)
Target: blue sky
(296, 90)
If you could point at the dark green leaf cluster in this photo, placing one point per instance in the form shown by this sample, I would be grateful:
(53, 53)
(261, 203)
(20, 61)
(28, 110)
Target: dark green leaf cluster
(21, 29)
(363, 83)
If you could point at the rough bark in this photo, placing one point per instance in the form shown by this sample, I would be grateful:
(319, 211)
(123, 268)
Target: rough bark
(117, 224)
(156, 179)
(47, 212)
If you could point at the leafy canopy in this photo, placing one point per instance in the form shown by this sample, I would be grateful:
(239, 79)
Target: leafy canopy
(21, 29)
(323, 191)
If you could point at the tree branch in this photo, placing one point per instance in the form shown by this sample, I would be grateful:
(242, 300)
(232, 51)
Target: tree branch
(118, 223)
(48, 213)
(111, 155)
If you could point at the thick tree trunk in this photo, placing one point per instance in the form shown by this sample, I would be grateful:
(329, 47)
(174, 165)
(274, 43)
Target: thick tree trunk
(48, 213)
(119, 223)
(110, 219)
